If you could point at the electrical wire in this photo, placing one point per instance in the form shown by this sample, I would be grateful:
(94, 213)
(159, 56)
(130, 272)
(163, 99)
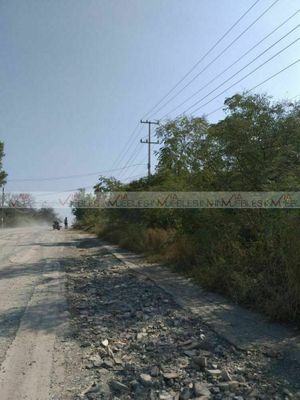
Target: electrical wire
(261, 83)
(235, 62)
(137, 150)
(71, 176)
(241, 79)
(202, 58)
(77, 189)
(218, 56)
(128, 145)
(133, 177)
(133, 139)
(297, 95)
(134, 170)
(119, 158)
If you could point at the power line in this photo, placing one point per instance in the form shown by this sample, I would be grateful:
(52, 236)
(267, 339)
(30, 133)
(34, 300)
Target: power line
(235, 62)
(297, 95)
(251, 62)
(135, 153)
(118, 159)
(126, 148)
(133, 177)
(130, 142)
(261, 83)
(210, 113)
(71, 176)
(218, 56)
(202, 58)
(241, 79)
(273, 76)
(137, 150)
(134, 170)
(128, 145)
(78, 188)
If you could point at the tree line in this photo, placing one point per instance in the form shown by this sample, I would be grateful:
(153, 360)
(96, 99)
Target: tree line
(250, 255)
(19, 209)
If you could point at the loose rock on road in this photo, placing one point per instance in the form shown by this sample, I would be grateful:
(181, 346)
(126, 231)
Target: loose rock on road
(76, 323)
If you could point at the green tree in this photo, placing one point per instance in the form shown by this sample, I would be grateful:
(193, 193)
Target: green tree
(251, 255)
(257, 146)
(182, 142)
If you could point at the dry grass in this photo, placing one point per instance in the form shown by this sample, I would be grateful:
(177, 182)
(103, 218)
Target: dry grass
(263, 274)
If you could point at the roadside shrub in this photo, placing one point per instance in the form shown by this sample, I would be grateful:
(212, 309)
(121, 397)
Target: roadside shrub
(250, 255)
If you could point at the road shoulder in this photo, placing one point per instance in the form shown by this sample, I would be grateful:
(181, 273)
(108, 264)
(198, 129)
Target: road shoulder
(245, 329)
(137, 341)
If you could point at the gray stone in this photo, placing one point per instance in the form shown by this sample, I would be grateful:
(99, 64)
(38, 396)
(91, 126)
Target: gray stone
(107, 364)
(200, 389)
(201, 362)
(118, 361)
(145, 379)
(223, 386)
(193, 345)
(141, 335)
(103, 372)
(186, 394)
(190, 353)
(119, 386)
(166, 396)
(233, 385)
(161, 357)
(134, 383)
(226, 376)
(104, 391)
(219, 349)
(93, 388)
(154, 371)
(214, 372)
(96, 360)
(287, 393)
(170, 375)
(141, 393)
(215, 390)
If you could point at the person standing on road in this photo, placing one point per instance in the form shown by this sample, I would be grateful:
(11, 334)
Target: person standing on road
(66, 222)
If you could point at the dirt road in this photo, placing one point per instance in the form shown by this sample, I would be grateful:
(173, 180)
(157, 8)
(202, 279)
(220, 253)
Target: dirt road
(79, 322)
(32, 311)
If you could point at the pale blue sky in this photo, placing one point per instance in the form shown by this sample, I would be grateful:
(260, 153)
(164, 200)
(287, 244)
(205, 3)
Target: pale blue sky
(77, 75)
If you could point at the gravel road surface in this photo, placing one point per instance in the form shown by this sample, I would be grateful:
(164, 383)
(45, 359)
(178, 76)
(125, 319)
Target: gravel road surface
(79, 322)
(32, 311)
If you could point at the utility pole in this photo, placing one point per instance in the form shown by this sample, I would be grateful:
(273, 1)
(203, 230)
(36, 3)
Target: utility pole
(148, 141)
(2, 208)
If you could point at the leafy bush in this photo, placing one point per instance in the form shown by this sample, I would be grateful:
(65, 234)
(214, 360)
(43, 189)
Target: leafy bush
(250, 255)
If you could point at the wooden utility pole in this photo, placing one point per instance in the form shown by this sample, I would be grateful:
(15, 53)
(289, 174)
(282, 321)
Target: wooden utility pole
(148, 141)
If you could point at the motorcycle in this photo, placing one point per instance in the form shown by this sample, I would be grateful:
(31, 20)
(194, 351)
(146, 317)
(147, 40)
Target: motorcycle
(56, 225)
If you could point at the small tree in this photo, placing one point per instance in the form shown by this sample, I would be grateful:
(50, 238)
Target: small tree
(3, 174)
